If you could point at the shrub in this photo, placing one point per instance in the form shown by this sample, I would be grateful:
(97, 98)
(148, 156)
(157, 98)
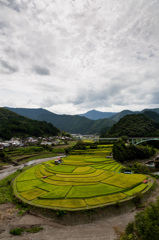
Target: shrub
(130, 228)
(80, 145)
(17, 231)
(93, 146)
(60, 213)
(34, 229)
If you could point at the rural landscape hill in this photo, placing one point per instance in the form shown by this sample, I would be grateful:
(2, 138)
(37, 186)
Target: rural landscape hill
(12, 124)
(134, 125)
(83, 125)
(68, 123)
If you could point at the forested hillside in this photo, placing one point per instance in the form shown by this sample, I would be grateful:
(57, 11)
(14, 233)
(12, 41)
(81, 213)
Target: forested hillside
(68, 123)
(14, 125)
(135, 125)
(152, 115)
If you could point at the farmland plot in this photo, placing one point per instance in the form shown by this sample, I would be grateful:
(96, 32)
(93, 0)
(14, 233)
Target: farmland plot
(86, 179)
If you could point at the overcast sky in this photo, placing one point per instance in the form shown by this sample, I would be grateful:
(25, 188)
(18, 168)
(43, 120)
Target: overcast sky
(71, 56)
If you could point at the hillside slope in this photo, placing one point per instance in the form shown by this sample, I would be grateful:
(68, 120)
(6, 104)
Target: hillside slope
(68, 123)
(14, 125)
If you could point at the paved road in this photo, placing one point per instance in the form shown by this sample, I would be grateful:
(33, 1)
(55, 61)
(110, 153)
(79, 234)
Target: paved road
(9, 169)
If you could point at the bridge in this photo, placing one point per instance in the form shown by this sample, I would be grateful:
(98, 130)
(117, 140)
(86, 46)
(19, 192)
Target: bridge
(138, 140)
(133, 140)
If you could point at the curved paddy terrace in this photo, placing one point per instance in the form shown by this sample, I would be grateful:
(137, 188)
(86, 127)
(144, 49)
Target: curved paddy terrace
(86, 179)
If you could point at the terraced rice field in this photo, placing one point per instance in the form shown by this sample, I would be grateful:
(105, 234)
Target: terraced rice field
(86, 179)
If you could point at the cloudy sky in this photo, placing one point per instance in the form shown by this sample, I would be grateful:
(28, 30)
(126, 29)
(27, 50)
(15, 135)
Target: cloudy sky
(71, 56)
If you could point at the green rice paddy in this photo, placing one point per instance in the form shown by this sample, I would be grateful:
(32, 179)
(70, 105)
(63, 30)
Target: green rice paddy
(86, 179)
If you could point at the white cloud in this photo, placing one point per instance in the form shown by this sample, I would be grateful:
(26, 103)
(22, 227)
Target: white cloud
(72, 56)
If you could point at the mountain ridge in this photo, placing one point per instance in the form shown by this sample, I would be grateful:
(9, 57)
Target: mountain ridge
(80, 124)
(68, 123)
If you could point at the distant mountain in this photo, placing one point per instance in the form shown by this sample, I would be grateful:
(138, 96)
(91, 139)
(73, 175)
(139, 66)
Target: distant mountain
(134, 125)
(95, 115)
(15, 125)
(68, 123)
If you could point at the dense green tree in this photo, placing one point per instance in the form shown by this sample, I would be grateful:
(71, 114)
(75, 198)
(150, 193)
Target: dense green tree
(80, 145)
(126, 152)
(145, 225)
(135, 125)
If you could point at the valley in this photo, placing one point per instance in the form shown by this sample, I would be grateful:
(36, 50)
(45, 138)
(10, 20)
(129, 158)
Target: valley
(78, 183)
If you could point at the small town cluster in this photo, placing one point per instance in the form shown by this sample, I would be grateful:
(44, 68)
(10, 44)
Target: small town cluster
(17, 142)
(55, 140)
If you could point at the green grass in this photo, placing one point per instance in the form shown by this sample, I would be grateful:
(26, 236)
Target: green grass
(28, 174)
(55, 191)
(94, 178)
(95, 160)
(125, 180)
(105, 199)
(6, 193)
(27, 185)
(69, 183)
(96, 172)
(137, 189)
(82, 169)
(44, 172)
(92, 191)
(32, 194)
(62, 203)
(60, 168)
